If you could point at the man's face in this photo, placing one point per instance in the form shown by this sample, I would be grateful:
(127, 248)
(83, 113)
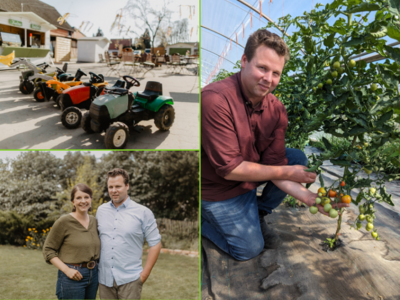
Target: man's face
(117, 190)
(261, 75)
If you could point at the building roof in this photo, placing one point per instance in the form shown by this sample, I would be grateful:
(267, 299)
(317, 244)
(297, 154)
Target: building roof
(125, 42)
(43, 10)
(96, 38)
(30, 15)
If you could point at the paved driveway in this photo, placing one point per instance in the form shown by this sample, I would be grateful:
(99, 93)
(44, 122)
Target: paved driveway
(27, 124)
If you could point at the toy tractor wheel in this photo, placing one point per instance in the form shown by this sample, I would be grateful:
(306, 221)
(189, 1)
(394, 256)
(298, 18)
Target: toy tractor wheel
(71, 117)
(86, 122)
(165, 117)
(37, 94)
(26, 87)
(116, 136)
(56, 98)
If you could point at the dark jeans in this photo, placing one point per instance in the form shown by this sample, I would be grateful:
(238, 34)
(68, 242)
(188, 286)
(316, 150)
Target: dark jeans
(233, 224)
(86, 288)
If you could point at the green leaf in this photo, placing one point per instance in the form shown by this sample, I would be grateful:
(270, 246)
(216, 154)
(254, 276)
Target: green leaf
(394, 6)
(363, 7)
(354, 42)
(321, 180)
(327, 144)
(358, 130)
(393, 53)
(341, 30)
(340, 162)
(388, 77)
(363, 183)
(329, 41)
(385, 117)
(359, 198)
(393, 31)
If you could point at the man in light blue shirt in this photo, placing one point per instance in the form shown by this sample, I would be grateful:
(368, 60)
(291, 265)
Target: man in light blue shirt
(123, 225)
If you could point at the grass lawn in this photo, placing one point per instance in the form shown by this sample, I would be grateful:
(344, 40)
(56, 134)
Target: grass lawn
(25, 275)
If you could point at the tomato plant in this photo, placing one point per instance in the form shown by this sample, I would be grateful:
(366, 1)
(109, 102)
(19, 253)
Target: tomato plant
(324, 89)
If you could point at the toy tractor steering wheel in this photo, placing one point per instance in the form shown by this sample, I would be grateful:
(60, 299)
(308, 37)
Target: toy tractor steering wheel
(131, 82)
(94, 78)
(59, 71)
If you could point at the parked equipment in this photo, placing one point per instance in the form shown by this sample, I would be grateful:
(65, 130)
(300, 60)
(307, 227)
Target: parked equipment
(78, 97)
(118, 109)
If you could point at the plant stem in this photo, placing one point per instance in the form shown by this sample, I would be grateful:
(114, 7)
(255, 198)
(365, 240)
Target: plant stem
(339, 222)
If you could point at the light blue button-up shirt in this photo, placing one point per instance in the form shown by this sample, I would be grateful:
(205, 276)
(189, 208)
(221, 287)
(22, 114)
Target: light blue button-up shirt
(122, 232)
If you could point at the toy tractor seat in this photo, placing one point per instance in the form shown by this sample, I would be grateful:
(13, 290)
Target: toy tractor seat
(152, 91)
(118, 88)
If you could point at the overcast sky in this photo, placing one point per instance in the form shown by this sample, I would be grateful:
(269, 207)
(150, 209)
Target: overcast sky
(102, 13)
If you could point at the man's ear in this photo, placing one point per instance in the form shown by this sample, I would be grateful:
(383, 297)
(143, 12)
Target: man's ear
(243, 61)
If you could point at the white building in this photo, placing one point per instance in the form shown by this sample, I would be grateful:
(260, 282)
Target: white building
(89, 48)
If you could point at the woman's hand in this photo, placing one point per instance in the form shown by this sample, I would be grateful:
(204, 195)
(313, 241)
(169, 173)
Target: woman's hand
(73, 274)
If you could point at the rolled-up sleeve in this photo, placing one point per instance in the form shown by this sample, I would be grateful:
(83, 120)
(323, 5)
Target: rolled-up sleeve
(218, 135)
(150, 230)
(53, 241)
(275, 154)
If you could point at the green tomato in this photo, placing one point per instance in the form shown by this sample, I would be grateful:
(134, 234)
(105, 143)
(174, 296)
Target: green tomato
(325, 200)
(374, 87)
(333, 213)
(319, 194)
(369, 226)
(370, 219)
(366, 144)
(317, 200)
(372, 191)
(358, 224)
(327, 207)
(314, 88)
(361, 208)
(374, 234)
(336, 65)
(377, 238)
(313, 210)
(334, 74)
(340, 71)
(352, 63)
(320, 85)
(329, 81)
(361, 217)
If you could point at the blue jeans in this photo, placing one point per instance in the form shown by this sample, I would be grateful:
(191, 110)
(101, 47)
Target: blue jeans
(86, 288)
(233, 224)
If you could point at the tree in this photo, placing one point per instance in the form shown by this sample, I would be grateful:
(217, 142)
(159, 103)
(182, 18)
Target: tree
(146, 16)
(167, 183)
(31, 185)
(86, 173)
(180, 32)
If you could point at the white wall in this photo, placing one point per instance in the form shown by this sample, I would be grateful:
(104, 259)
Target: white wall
(88, 51)
(191, 46)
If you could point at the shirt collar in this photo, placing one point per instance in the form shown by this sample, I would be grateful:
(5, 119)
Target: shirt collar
(126, 203)
(264, 102)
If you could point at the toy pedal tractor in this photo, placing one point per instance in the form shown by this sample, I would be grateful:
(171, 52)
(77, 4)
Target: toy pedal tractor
(73, 99)
(120, 109)
(57, 87)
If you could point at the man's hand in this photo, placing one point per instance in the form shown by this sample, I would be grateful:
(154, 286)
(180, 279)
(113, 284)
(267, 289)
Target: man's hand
(296, 173)
(311, 201)
(143, 277)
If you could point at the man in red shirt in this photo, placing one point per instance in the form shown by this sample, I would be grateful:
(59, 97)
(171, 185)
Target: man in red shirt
(243, 145)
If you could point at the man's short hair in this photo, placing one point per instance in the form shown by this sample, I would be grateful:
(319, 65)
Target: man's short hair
(268, 39)
(117, 172)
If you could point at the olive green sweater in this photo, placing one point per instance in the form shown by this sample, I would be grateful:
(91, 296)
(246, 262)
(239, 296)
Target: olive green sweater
(71, 242)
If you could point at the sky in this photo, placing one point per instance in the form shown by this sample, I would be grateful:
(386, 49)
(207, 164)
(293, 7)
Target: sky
(231, 22)
(102, 13)
(58, 154)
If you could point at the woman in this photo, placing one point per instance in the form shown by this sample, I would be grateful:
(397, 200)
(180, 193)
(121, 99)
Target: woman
(73, 246)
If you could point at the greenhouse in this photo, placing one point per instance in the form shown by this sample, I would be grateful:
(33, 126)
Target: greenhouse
(340, 90)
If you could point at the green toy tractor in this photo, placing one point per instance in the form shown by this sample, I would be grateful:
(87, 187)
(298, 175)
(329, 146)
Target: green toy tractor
(118, 109)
